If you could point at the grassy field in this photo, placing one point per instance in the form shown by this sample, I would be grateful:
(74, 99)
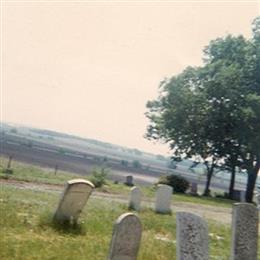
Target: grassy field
(26, 223)
(29, 173)
(29, 233)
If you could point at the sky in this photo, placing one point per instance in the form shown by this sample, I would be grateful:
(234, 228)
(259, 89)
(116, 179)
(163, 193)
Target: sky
(89, 68)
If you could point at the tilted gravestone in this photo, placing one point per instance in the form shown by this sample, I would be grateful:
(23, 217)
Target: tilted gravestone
(126, 238)
(244, 232)
(163, 199)
(192, 239)
(73, 199)
(135, 198)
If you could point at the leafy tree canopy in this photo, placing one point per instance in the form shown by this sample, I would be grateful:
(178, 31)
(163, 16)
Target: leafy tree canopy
(213, 111)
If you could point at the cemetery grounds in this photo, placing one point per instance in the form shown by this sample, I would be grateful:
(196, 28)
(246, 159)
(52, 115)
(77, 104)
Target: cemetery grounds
(30, 195)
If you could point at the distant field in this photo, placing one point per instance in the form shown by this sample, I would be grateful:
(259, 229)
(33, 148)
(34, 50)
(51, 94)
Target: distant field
(80, 155)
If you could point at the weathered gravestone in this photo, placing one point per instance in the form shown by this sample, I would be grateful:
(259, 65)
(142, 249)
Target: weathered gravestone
(192, 239)
(258, 200)
(163, 199)
(126, 238)
(129, 180)
(194, 188)
(135, 198)
(239, 195)
(242, 196)
(73, 199)
(244, 232)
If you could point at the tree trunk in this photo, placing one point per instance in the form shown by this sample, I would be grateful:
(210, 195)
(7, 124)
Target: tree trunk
(209, 176)
(232, 181)
(251, 180)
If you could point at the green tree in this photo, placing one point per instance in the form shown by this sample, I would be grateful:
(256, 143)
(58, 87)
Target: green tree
(213, 112)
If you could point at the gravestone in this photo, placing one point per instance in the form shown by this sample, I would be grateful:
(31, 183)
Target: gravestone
(129, 180)
(163, 199)
(239, 195)
(258, 200)
(244, 232)
(73, 199)
(242, 196)
(192, 239)
(194, 188)
(135, 198)
(126, 238)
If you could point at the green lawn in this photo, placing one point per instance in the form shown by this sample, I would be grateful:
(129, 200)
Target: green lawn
(28, 232)
(29, 173)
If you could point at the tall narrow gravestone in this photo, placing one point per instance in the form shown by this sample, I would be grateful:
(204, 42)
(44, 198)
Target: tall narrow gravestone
(244, 232)
(163, 199)
(192, 237)
(135, 198)
(74, 198)
(194, 188)
(258, 200)
(126, 238)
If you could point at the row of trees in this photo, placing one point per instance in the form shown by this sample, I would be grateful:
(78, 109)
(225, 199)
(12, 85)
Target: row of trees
(212, 113)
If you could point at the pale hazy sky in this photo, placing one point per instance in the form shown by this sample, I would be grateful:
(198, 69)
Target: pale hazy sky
(89, 68)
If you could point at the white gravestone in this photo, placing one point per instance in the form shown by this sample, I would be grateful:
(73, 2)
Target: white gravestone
(135, 198)
(126, 238)
(73, 199)
(244, 232)
(163, 199)
(192, 239)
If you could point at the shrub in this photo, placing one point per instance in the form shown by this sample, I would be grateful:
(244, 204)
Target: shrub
(179, 183)
(98, 177)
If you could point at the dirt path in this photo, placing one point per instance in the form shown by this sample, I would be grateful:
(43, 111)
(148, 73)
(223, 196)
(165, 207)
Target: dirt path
(219, 214)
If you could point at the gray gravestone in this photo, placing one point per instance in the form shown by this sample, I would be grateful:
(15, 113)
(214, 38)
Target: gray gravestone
(239, 195)
(194, 188)
(242, 196)
(129, 180)
(135, 198)
(74, 198)
(258, 200)
(244, 232)
(126, 238)
(192, 239)
(163, 199)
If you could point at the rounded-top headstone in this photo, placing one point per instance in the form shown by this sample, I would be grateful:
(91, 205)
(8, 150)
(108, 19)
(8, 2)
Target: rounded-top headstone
(73, 199)
(126, 238)
(135, 198)
(163, 199)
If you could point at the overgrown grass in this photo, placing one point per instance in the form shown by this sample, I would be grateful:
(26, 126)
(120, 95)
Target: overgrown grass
(29, 232)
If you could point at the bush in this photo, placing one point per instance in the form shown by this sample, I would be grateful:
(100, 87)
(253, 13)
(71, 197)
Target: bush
(98, 177)
(179, 183)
